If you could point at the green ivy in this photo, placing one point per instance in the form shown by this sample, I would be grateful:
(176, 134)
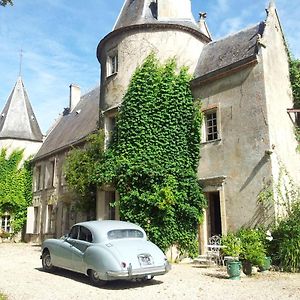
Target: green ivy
(79, 168)
(295, 80)
(153, 156)
(15, 187)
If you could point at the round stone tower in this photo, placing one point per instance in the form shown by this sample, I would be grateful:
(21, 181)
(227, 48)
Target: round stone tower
(165, 27)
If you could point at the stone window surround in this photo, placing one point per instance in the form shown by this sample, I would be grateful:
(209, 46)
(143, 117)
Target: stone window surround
(112, 63)
(213, 108)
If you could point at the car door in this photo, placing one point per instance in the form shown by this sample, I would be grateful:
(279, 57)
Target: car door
(79, 247)
(67, 248)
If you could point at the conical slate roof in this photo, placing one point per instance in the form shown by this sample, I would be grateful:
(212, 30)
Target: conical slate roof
(137, 12)
(17, 120)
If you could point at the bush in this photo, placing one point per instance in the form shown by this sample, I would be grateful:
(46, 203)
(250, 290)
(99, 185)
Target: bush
(285, 247)
(247, 244)
(253, 246)
(232, 245)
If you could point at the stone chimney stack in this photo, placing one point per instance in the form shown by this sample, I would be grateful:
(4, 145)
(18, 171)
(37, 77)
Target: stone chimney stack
(75, 95)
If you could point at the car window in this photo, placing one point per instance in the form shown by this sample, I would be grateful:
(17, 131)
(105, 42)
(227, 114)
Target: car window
(124, 233)
(74, 232)
(85, 234)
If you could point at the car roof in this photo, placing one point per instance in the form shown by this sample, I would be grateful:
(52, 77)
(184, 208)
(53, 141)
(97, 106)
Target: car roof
(100, 229)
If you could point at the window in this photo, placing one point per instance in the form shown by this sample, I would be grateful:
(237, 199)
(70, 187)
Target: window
(51, 173)
(5, 223)
(124, 234)
(85, 235)
(113, 64)
(74, 232)
(38, 174)
(211, 125)
(110, 123)
(49, 218)
(109, 200)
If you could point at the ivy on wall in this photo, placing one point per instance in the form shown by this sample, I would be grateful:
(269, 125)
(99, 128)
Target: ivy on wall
(79, 168)
(15, 187)
(154, 153)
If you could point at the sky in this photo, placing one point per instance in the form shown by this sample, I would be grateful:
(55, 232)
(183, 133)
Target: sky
(59, 38)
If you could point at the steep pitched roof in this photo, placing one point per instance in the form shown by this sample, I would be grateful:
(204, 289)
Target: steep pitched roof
(17, 120)
(73, 127)
(229, 52)
(137, 12)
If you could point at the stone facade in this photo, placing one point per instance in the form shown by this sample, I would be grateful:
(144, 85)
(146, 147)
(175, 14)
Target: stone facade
(53, 207)
(248, 142)
(247, 136)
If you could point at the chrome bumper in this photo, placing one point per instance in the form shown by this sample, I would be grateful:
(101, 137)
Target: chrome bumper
(141, 272)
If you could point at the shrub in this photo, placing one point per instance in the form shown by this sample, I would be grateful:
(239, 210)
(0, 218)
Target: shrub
(232, 245)
(253, 245)
(285, 247)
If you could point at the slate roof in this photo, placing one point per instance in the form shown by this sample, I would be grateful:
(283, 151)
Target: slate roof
(73, 127)
(137, 12)
(229, 52)
(17, 120)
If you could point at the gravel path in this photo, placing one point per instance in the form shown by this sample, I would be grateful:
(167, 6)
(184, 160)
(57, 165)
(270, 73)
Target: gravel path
(21, 277)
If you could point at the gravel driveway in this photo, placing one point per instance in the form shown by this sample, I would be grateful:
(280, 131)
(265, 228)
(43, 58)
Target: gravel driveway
(21, 277)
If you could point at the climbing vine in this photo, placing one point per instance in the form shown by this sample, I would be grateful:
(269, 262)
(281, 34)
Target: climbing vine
(79, 168)
(15, 187)
(154, 153)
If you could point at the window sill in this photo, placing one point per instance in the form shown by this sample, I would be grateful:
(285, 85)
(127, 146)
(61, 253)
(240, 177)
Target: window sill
(211, 142)
(111, 76)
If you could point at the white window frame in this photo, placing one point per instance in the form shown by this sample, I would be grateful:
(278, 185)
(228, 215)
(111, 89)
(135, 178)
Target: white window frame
(112, 63)
(109, 126)
(7, 223)
(211, 126)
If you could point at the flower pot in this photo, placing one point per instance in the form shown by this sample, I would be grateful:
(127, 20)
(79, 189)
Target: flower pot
(266, 265)
(234, 269)
(247, 267)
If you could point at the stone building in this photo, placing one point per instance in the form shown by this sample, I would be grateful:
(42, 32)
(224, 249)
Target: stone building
(248, 141)
(19, 130)
(52, 212)
(243, 81)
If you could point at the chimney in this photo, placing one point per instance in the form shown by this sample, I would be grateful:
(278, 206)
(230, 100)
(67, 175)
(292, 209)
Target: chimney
(75, 94)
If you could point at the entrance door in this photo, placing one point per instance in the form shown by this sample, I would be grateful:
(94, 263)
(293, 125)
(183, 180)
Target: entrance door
(214, 224)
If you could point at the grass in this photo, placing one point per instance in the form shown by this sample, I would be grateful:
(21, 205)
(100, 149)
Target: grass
(3, 297)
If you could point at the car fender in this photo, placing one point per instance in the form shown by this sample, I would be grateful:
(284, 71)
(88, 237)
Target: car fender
(101, 259)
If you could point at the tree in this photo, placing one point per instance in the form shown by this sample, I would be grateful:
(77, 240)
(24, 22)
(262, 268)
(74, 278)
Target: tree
(79, 169)
(154, 153)
(15, 187)
(5, 2)
(295, 80)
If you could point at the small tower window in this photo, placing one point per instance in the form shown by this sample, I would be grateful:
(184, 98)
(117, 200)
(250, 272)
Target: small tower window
(113, 64)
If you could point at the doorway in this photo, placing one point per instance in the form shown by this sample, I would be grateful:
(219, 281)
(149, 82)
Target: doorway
(213, 214)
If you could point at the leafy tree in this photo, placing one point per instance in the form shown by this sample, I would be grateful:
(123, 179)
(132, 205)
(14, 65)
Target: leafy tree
(79, 168)
(154, 153)
(15, 187)
(295, 80)
(5, 2)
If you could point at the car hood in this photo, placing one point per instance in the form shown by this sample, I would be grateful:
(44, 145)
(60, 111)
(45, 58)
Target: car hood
(129, 251)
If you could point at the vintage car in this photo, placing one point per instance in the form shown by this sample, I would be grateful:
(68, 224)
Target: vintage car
(105, 250)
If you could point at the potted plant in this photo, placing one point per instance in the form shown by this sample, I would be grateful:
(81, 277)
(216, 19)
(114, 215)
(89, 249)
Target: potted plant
(232, 248)
(253, 250)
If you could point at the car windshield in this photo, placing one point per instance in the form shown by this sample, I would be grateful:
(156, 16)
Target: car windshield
(124, 233)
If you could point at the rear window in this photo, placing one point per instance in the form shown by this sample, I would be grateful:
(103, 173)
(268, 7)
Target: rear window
(124, 233)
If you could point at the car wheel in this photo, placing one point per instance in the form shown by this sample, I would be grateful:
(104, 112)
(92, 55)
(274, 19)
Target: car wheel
(47, 262)
(95, 279)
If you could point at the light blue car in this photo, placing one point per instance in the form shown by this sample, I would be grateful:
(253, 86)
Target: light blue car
(105, 250)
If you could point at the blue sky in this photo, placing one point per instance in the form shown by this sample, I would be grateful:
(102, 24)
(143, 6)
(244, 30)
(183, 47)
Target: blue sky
(59, 39)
